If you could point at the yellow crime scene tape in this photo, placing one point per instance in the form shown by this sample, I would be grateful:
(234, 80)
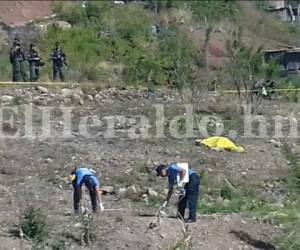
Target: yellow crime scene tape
(252, 90)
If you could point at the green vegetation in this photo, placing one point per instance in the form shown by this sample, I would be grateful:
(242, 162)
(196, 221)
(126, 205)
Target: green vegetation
(98, 44)
(227, 198)
(33, 224)
(291, 82)
(107, 44)
(157, 47)
(155, 201)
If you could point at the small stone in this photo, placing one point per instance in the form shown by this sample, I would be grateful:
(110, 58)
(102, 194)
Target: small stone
(131, 189)
(226, 219)
(98, 97)
(66, 92)
(108, 189)
(78, 91)
(77, 98)
(42, 90)
(152, 193)
(244, 174)
(277, 144)
(122, 192)
(48, 160)
(90, 98)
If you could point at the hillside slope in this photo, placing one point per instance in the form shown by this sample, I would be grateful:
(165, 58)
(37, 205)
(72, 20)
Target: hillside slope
(17, 13)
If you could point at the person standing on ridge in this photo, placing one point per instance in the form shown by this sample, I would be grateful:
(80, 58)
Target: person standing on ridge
(58, 58)
(17, 59)
(35, 61)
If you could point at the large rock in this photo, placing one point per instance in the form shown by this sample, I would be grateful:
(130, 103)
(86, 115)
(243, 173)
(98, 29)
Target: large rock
(42, 89)
(152, 193)
(66, 92)
(122, 192)
(44, 26)
(90, 98)
(132, 189)
(6, 98)
(77, 99)
(108, 189)
(77, 91)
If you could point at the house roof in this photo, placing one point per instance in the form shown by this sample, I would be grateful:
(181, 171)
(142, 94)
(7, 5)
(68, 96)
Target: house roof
(283, 50)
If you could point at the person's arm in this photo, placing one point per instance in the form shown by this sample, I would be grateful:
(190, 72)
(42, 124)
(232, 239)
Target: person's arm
(80, 196)
(11, 56)
(53, 57)
(169, 195)
(99, 198)
(98, 195)
(64, 58)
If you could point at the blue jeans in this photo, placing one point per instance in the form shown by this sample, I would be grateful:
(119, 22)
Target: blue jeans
(190, 199)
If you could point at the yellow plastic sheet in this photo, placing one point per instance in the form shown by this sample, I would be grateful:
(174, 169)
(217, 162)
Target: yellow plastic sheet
(221, 143)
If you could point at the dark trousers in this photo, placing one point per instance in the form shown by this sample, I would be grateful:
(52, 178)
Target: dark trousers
(34, 72)
(190, 199)
(58, 72)
(78, 194)
(19, 72)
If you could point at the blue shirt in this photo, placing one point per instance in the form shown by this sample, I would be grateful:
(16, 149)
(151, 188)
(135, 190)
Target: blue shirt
(173, 170)
(81, 173)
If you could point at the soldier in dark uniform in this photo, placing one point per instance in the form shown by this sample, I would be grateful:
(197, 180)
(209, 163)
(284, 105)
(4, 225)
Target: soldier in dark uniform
(35, 62)
(58, 58)
(17, 59)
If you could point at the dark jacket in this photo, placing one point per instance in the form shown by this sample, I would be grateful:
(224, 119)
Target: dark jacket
(16, 55)
(33, 56)
(58, 57)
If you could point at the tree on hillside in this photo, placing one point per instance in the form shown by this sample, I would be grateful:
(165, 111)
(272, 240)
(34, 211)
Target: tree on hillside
(245, 63)
(185, 64)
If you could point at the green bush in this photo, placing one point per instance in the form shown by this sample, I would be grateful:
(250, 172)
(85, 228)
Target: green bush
(117, 38)
(5, 66)
(212, 11)
(33, 224)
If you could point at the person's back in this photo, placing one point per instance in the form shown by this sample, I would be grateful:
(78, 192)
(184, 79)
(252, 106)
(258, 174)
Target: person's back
(81, 173)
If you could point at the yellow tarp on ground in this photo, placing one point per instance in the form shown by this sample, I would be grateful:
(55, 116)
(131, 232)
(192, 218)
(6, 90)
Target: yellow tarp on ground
(221, 143)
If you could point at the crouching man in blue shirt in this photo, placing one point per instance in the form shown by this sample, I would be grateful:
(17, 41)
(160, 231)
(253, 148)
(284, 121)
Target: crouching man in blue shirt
(190, 197)
(80, 176)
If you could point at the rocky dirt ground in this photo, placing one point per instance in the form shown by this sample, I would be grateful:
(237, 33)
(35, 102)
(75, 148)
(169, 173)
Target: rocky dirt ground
(34, 170)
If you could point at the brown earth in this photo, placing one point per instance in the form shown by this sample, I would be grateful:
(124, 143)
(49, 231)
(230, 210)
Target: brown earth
(28, 177)
(18, 13)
